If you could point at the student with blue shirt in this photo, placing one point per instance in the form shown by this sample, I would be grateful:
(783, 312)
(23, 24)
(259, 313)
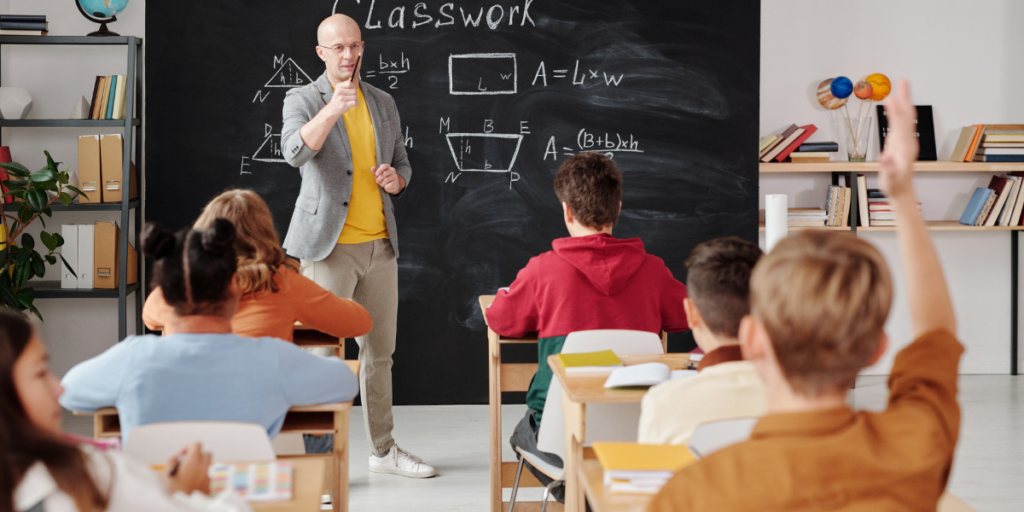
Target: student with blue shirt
(203, 372)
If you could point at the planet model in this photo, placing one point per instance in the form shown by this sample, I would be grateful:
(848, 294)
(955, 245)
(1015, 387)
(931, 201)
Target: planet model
(104, 8)
(826, 98)
(842, 87)
(863, 90)
(880, 86)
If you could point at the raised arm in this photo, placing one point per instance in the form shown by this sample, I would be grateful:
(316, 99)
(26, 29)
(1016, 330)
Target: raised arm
(930, 305)
(302, 136)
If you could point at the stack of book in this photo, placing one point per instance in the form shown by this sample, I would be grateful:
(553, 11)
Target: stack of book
(990, 143)
(779, 147)
(108, 97)
(879, 210)
(803, 217)
(999, 204)
(632, 468)
(23, 25)
(814, 152)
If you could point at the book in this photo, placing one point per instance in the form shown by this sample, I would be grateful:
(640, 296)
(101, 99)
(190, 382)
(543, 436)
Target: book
(782, 145)
(881, 223)
(253, 481)
(999, 158)
(810, 154)
(963, 144)
(796, 223)
(1002, 188)
(801, 137)
(110, 101)
(1004, 216)
(811, 147)
(1003, 137)
(984, 211)
(847, 202)
(812, 160)
(832, 205)
(884, 207)
(24, 17)
(778, 140)
(643, 375)
(104, 96)
(119, 97)
(862, 199)
(805, 213)
(974, 142)
(603, 361)
(24, 25)
(640, 468)
(1018, 205)
(999, 151)
(925, 132)
(1002, 144)
(882, 216)
(767, 141)
(97, 99)
(23, 32)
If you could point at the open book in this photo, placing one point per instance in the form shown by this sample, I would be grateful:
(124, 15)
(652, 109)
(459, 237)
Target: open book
(646, 374)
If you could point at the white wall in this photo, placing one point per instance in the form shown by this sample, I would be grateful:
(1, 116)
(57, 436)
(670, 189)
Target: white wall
(56, 77)
(963, 58)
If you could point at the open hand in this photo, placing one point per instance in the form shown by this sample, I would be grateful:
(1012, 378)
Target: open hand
(345, 97)
(901, 147)
(388, 179)
(190, 471)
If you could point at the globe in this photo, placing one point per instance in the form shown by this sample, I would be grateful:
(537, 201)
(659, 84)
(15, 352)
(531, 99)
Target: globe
(104, 8)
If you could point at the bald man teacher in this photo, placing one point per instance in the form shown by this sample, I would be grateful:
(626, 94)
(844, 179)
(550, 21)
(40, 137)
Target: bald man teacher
(345, 138)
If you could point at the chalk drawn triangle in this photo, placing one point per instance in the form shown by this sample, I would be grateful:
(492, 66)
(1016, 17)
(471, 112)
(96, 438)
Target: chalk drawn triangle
(289, 75)
(270, 150)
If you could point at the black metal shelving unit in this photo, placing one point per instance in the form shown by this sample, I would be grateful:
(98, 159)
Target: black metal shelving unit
(127, 206)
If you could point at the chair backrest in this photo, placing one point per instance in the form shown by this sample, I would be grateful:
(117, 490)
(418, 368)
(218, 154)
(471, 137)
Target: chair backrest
(605, 422)
(712, 436)
(226, 441)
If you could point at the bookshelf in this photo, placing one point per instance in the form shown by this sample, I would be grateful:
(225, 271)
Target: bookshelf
(130, 208)
(851, 169)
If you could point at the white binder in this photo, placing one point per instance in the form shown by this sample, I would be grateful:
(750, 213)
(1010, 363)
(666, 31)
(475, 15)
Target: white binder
(86, 257)
(70, 252)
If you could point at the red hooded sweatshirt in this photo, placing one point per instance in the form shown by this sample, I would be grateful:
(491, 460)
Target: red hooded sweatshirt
(589, 282)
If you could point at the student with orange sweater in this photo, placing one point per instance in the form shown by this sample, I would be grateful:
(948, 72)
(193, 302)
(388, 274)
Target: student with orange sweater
(275, 294)
(819, 302)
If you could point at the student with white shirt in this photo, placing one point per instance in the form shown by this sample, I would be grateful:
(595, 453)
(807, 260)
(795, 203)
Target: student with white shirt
(41, 470)
(725, 387)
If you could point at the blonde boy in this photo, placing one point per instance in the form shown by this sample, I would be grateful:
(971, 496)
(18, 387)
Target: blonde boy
(819, 302)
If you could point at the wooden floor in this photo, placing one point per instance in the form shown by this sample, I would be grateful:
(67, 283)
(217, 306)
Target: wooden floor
(986, 473)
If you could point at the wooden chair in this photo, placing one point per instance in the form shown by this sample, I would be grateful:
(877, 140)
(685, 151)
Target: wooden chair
(509, 377)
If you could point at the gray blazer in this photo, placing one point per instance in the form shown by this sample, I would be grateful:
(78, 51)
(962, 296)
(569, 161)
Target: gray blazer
(322, 206)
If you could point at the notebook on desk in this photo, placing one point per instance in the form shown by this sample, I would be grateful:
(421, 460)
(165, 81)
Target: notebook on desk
(255, 481)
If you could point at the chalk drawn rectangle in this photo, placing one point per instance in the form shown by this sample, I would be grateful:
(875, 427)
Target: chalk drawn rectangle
(491, 151)
(482, 74)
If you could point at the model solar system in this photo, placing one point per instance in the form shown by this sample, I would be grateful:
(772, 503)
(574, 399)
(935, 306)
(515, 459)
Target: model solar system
(834, 93)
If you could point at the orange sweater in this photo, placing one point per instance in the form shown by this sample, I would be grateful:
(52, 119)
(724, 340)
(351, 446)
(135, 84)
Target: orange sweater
(275, 314)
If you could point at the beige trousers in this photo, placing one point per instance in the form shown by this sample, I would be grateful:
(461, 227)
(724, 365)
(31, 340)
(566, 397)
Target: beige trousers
(368, 274)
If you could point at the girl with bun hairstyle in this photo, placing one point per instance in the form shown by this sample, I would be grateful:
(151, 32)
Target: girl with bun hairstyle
(203, 371)
(40, 469)
(274, 295)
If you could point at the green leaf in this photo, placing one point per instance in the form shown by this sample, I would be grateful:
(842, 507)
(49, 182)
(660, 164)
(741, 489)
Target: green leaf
(65, 199)
(50, 164)
(48, 240)
(66, 265)
(22, 269)
(38, 265)
(63, 178)
(75, 190)
(27, 242)
(9, 300)
(51, 259)
(25, 214)
(36, 199)
(59, 239)
(16, 184)
(15, 169)
(43, 175)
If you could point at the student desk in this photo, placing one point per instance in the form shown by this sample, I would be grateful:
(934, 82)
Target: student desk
(306, 473)
(303, 419)
(307, 337)
(588, 388)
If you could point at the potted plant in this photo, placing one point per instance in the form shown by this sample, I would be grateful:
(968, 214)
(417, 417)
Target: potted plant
(19, 259)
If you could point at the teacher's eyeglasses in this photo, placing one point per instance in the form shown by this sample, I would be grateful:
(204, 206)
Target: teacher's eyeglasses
(355, 47)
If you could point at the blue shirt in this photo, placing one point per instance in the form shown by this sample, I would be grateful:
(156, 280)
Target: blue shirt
(205, 377)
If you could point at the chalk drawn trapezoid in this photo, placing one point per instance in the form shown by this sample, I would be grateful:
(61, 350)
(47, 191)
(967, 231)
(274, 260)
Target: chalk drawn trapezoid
(270, 150)
(458, 155)
(476, 89)
(289, 75)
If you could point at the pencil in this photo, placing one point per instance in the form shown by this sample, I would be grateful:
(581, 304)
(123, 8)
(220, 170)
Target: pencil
(355, 69)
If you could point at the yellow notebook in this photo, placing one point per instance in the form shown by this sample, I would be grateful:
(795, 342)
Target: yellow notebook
(605, 360)
(642, 457)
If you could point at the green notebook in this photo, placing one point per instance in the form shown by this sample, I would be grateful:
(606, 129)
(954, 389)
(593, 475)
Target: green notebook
(605, 360)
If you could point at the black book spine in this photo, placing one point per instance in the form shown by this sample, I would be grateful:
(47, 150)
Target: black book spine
(37, 18)
(20, 25)
(811, 147)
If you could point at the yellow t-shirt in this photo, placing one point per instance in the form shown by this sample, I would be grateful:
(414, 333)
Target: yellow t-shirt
(365, 221)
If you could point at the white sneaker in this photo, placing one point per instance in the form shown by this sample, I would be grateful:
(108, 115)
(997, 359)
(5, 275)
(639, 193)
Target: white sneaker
(401, 462)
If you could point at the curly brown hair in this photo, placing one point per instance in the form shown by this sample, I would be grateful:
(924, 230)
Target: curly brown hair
(591, 185)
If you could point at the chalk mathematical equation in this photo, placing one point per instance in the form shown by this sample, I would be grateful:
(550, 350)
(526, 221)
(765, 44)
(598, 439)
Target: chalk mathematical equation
(482, 74)
(608, 143)
(578, 77)
(287, 74)
(485, 151)
(388, 68)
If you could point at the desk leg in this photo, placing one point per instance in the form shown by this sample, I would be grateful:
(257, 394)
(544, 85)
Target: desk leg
(340, 460)
(494, 399)
(575, 435)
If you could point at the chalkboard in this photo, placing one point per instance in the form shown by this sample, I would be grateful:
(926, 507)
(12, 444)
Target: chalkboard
(493, 96)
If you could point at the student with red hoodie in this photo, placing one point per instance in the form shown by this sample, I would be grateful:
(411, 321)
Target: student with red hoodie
(590, 280)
